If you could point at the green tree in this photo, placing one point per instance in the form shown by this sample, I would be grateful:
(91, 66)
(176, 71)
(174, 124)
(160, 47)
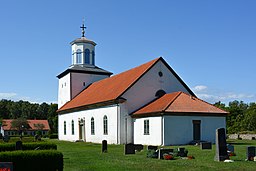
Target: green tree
(20, 124)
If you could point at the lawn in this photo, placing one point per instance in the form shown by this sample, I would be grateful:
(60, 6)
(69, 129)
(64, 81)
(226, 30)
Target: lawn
(87, 156)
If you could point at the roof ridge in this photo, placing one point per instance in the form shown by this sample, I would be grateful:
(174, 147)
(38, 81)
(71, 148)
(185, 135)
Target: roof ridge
(207, 103)
(178, 94)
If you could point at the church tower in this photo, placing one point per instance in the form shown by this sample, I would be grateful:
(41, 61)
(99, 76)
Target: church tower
(82, 72)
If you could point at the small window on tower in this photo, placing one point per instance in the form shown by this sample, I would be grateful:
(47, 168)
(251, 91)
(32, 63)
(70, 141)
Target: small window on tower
(84, 84)
(78, 56)
(160, 74)
(87, 56)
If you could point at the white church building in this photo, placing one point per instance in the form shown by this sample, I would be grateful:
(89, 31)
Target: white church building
(148, 104)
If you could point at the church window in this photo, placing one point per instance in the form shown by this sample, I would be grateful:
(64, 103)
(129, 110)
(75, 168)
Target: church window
(92, 126)
(87, 56)
(160, 93)
(72, 127)
(105, 125)
(83, 83)
(146, 127)
(160, 74)
(78, 56)
(93, 58)
(65, 130)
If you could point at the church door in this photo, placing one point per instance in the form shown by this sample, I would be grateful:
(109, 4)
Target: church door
(82, 130)
(196, 130)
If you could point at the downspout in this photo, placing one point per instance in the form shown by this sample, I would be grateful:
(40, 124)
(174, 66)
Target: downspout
(162, 130)
(117, 125)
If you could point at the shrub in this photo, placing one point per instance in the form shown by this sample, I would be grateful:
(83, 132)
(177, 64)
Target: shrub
(152, 154)
(41, 160)
(29, 146)
(53, 136)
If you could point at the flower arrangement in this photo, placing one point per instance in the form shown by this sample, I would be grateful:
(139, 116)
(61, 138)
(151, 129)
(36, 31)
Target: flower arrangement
(191, 157)
(231, 154)
(168, 157)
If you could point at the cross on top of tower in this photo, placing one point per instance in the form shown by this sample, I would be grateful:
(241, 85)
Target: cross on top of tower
(83, 29)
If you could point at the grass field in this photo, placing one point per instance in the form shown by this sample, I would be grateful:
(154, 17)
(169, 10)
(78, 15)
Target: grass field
(87, 156)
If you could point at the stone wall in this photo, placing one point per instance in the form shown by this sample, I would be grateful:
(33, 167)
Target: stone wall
(242, 136)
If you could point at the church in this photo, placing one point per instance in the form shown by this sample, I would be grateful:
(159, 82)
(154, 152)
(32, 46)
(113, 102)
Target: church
(149, 104)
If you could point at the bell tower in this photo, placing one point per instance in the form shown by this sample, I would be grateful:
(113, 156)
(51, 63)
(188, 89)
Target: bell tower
(83, 50)
(82, 72)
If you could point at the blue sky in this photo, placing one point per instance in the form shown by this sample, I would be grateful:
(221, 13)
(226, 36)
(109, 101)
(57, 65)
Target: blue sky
(211, 44)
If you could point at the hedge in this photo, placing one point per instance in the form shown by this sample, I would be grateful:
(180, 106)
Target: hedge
(53, 136)
(39, 160)
(29, 146)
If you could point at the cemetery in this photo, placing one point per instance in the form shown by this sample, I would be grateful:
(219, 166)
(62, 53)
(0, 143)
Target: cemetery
(92, 156)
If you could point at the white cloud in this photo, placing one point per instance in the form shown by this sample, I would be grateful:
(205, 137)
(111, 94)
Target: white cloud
(7, 95)
(200, 88)
(212, 95)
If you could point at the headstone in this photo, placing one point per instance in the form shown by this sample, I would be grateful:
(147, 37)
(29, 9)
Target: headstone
(182, 152)
(230, 148)
(138, 147)
(250, 153)
(18, 145)
(163, 151)
(129, 149)
(151, 147)
(104, 146)
(221, 145)
(206, 146)
(6, 166)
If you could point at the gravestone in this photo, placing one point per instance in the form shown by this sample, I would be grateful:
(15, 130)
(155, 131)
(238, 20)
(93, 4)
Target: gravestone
(6, 166)
(206, 146)
(182, 152)
(18, 145)
(151, 147)
(104, 146)
(129, 149)
(138, 147)
(221, 145)
(230, 148)
(163, 151)
(250, 153)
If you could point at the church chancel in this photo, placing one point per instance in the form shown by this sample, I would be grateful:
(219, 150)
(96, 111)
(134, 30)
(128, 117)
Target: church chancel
(149, 104)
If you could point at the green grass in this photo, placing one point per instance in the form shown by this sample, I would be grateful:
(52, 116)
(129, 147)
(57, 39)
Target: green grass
(87, 156)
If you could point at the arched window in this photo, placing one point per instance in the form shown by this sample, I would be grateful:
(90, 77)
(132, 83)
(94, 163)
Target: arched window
(72, 127)
(78, 56)
(92, 126)
(93, 58)
(105, 125)
(87, 56)
(160, 93)
(65, 130)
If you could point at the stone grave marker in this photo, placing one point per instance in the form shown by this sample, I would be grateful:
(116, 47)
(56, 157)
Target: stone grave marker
(151, 147)
(221, 145)
(18, 145)
(182, 152)
(6, 166)
(104, 146)
(138, 147)
(230, 148)
(206, 146)
(129, 149)
(250, 153)
(163, 151)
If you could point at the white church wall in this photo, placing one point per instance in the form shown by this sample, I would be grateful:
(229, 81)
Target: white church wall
(97, 114)
(179, 129)
(64, 90)
(126, 125)
(144, 90)
(155, 126)
(81, 80)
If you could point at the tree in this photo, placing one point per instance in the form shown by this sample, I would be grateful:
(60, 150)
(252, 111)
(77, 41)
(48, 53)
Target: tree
(20, 124)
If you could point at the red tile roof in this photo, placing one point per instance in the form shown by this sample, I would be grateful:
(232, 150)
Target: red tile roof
(110, 88)
(178, 103)
(6, 124)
